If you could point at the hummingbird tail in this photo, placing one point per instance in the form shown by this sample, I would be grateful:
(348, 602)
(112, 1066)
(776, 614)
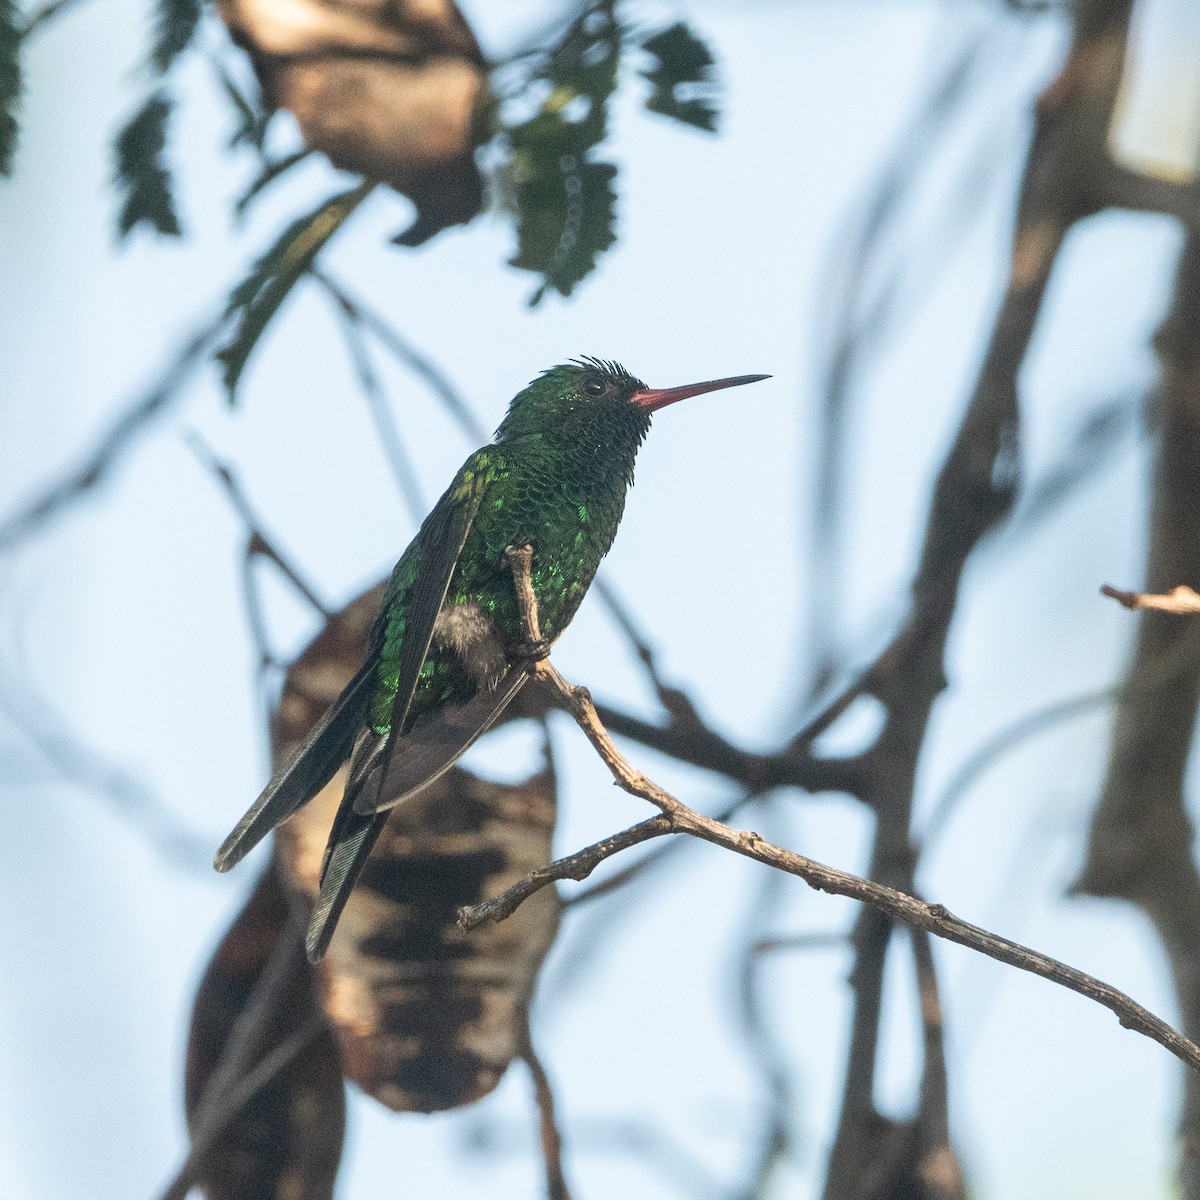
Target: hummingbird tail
(437, 740)
(311, 766)
(350, 843)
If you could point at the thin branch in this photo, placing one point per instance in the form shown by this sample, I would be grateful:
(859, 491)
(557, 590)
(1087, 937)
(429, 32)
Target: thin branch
(985, 755)
(936, 1163)
(574, 866)
(239, 1074)
(129, 797)
(390, 338)
(1180, 600)
(112, 447)
(381, 413)
(230, 1104)
(44, 15)
(766, 1054)
(551, 1139)
(831, 940)
(677, 817)
(650, 862)
(260, 544)
(693, 742)
(1140, 845)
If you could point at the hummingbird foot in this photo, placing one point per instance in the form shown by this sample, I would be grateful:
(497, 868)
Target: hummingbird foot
(535, 651)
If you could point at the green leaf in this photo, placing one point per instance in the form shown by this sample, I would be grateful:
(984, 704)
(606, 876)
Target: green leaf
(683, 79)
(565, 200)
(565, 219)
(10, 84)
(258, 297)
(272, 169)
(175, 23)
(582, 72)
(141, 174)
(251, 129)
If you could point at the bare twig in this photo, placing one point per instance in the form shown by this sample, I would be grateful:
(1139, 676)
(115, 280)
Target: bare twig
(695, 743)
(677, 817)
(230, 1104)
(260, 544)
(936, 1164)
(392, 341)
(112, 447)
(241, 1073)
(1142, 833)
(129, 797)
(974, 493)
(385, 423)
(935, 918)
(551, 1139)
(574, 866)
(766, 1054)
(1181, 599)
(830, 940)
(44, 15)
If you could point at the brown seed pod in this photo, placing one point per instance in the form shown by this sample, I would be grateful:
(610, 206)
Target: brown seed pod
(389, 89)
(426, 1017)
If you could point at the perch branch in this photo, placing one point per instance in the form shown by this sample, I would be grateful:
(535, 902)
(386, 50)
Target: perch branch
(677, 817)
(110, 450)
(1181, 600)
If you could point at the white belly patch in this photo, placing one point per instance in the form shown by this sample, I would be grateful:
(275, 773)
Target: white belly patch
(466, 631)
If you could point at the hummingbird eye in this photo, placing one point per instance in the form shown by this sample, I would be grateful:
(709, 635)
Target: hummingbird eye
(595, 387)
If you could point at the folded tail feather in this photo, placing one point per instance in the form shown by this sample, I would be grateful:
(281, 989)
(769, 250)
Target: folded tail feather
(435, 743)
(311, 766)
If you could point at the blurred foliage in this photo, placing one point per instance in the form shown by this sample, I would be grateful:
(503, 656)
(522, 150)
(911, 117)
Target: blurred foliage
(545, 118)
(10, 84)
(684, 79)
(175, 25)
(564, 200)
(141, 176)
(257, 298)
(251, 127)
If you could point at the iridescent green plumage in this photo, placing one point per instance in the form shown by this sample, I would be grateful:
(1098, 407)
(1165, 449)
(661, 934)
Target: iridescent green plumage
(448, 650)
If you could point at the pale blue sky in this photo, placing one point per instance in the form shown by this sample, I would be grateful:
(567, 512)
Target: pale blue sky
(128, 614)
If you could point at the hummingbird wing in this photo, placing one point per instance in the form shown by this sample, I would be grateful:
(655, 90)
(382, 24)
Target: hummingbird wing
(435, 743)
(309, 768)
(438, 546)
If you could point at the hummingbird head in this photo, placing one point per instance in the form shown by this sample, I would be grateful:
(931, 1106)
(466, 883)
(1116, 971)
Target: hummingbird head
(594, 397)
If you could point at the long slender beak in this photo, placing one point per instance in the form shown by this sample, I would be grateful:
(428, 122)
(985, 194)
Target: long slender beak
(653, 399)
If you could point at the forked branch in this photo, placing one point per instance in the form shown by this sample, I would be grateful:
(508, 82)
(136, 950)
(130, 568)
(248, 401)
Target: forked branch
(677, 817)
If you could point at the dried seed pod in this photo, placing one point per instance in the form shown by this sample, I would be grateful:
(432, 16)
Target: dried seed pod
(427, 1017)
(286, 1140)
(389, 89)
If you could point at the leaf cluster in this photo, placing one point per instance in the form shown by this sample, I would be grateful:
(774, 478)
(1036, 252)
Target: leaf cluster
(563, 193)
(258, 297)
(141, 176)
(10, 83)
(564, 197)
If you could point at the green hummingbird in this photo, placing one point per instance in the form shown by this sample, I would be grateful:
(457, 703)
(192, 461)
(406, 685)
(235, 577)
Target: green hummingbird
(448, 651)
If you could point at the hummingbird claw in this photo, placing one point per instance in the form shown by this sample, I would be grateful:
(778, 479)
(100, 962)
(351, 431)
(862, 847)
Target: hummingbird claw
(533, 652)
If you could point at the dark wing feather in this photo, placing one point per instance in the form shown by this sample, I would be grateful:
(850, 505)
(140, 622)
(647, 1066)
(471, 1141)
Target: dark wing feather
(311, 766)
(350, 843)
(440, 544)
(438, 547)
(435, 743)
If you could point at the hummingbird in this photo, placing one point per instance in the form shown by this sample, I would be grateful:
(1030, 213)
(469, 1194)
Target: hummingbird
(449, 649)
